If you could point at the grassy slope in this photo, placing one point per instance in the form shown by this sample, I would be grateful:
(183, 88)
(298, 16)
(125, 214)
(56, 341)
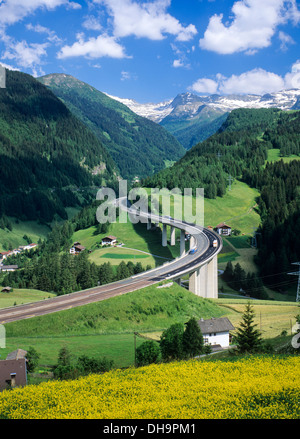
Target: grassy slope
(21, 296)
(106, 328)
(14, 238)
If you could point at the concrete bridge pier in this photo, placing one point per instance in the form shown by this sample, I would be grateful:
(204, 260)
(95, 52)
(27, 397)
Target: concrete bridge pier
(182, 243)
(164, 236)
(172, 236)
(149, 224)
(204, 281)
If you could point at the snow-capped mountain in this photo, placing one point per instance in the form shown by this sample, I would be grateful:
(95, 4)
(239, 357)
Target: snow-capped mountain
(191, 118)
(154, 112)
(188, 104)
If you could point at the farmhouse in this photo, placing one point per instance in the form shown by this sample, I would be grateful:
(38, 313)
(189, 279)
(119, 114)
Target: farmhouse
(223, 229)
(77, 248)
(4, 255)
(13, 370)
(109, 240)
(8, 267)
(6, 290)
(216, 331)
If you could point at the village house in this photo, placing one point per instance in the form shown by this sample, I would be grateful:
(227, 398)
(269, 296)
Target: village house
(4, 255)
(77, 248)
(216, 331)
(27, 247)
(13, 370)
(223, 229)
(8, 267)
(109, 240)
(6, 290)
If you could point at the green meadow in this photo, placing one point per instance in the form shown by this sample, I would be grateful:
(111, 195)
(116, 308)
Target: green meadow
(106, 329)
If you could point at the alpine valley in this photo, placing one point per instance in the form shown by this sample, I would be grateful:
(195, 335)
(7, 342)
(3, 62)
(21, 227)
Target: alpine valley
(192, 118)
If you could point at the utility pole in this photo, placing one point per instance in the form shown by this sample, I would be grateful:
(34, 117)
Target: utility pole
(297, 273)
(230, 180)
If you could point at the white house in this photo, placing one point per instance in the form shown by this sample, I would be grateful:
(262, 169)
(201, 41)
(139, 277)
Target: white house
(109, 240)
(223, 229)
(216, 331)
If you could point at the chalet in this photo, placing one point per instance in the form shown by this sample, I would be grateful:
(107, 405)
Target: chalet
(109, 240)
(216, 331)
(8, 267)
(4, 255)
(27, 247)
(77, 248)
(6, 290)
(223, 229)
(13, 370)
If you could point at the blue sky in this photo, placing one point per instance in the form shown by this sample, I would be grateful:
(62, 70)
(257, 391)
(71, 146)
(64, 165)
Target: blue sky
(151, 50)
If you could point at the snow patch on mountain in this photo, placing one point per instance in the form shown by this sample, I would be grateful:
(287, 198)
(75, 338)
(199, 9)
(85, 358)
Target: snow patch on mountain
(188, 104)
(154, 112)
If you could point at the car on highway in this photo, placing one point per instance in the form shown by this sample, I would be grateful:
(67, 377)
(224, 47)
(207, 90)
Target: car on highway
(215, 243)
(193, 251)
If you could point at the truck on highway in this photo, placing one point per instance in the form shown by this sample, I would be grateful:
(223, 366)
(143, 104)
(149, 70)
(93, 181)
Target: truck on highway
(215, 243)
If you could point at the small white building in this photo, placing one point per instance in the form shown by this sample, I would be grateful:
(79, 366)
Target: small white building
(223, 229)
(109, 240)
(216, 331)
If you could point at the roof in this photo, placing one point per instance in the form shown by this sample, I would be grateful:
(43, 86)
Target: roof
(6, 289)
(223, 225)
(3, 267)
(79, 247)
(16, 355)
(110, 238)
(215, 325)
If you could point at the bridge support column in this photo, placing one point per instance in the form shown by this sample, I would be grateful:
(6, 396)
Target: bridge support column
(204, 281)
(194, 282)
(212, 278)
(182, 242)
(172, 236)
(148, 224)
(164, 236)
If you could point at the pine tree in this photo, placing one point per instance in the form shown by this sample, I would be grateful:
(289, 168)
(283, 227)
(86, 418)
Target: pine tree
(248, 339)
(192, 339)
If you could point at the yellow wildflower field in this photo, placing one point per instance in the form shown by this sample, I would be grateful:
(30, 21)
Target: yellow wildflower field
(251, 388)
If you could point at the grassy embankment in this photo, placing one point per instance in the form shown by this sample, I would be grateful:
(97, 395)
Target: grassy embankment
(106, 328)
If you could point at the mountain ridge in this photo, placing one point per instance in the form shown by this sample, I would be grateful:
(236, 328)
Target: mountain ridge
(139, 146)
(192, 118)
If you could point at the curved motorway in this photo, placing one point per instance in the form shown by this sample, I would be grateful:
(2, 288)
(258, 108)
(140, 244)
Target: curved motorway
(203, 239)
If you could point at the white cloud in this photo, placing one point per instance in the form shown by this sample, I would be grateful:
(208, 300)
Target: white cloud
(27, 55)
(12, 11)
(205, 85)
(256, 81)
(52, 37)
(146, 20)
(101, 46)
(92, 23)
(177, 63)
(252, 26)
(285, 40)
(292, 79)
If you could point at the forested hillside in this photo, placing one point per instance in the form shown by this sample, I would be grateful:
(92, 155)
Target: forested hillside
(139, 146)
(44, 150)
(241, 143)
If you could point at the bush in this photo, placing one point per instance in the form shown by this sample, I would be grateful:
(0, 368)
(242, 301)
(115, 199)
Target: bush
(147, 353)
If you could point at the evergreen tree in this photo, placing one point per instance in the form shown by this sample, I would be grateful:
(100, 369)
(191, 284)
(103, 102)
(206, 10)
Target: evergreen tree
(192, 339)
(171, 342)
(248, 339)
